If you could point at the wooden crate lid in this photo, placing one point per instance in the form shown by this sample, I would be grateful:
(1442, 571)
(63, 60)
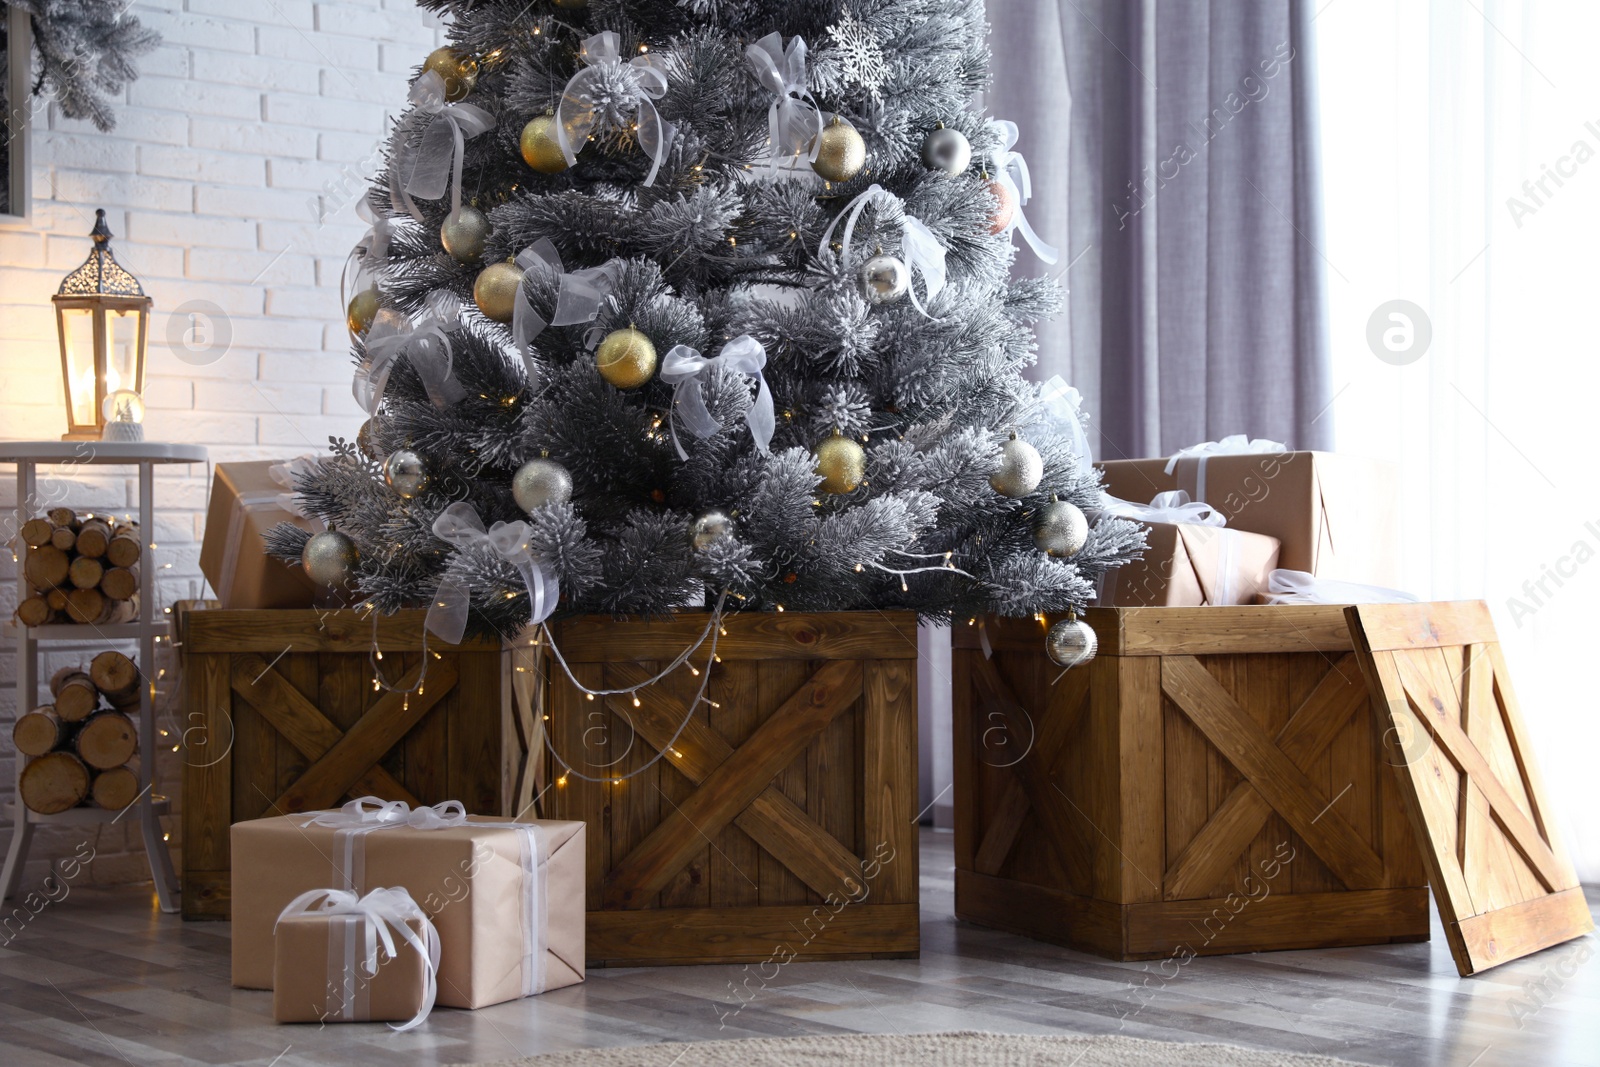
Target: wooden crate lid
(1181, 631)
(803, 635)
(276, 630)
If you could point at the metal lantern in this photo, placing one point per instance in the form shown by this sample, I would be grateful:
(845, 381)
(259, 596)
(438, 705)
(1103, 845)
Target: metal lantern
(102, 318)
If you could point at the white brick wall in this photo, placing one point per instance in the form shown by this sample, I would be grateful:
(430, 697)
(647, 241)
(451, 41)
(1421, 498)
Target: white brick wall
(250, 124)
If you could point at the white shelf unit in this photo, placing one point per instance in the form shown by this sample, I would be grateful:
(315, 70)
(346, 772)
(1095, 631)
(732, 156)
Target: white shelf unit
(32, 642)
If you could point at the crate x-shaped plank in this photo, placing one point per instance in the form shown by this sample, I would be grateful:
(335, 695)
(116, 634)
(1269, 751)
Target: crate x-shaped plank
(1503, 883)
(1276, 772)
(734, 785)
(342, 762)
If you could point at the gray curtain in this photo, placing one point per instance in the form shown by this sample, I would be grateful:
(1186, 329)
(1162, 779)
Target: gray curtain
(1184, 195)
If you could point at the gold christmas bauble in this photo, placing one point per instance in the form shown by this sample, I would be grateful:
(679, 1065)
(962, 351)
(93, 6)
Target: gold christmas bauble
(841, 153)
(540, 149)
(330, 558)
(1021, 469)
(842, 463)
(1061, 529)
(364, 438)
(405, 472)
(495, 291)
(1071, 642)
(626, 358)
(362, 310)
(709, 528)
(464, 233)
(539, 482)
(460, 72)
(1005, 207)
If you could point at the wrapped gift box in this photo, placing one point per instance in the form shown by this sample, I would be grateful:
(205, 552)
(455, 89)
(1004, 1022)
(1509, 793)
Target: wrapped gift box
(507, 898)
(323, 972)
(1335, 516)
(246, 502)
(1190, 565)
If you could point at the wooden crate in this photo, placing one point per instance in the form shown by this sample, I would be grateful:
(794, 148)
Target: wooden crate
(280, 716)
(781, 821)
(1213, 782)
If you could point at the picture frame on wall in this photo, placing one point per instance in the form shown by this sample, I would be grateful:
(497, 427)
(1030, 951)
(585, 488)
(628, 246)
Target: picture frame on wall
(16, 67)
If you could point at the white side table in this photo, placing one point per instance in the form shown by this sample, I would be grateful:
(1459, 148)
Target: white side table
(28, 455)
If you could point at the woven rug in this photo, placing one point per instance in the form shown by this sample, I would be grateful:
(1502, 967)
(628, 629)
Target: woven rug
(964, 1049)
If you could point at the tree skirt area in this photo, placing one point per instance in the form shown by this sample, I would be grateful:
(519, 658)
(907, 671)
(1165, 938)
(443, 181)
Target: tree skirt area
(965, 1049)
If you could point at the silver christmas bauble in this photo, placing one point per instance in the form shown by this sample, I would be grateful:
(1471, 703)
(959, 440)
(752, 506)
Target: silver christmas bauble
(946, 150)
(330, 558)
(884, 279)
(539, 482)
(709, 528)
(1020, 469)
(405, 472)
(1071, 642)
(1061, 529)
(464, 233)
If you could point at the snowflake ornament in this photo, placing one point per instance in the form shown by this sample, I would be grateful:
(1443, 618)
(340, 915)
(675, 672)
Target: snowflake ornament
(861, 60)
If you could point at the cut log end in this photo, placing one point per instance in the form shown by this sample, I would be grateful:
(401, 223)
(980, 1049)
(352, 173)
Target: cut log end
(120, 583)
(115, 675)
(34, 611)
(93, 539)
(77, 699)
(40, 731)
(85, 573)
(36, 532)
(123, 550)
(46, 567)
(116, 788)
(53, 783)
(109, 739)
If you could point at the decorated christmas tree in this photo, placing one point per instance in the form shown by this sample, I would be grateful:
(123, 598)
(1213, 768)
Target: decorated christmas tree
(686, 303)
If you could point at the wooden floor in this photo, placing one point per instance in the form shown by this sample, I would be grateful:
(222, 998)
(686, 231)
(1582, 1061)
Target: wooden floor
(103, 979)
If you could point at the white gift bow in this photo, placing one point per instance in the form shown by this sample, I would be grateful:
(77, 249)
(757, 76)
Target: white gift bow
(426, 344)
(1171, 506)
(794, 123)
(1233, 445)
(920, 249)
(383, 910)
(370, 813)
(1299, 587)
(285, 473)
(579, 296)
(683, 369)
(436, 162)
(1063, 407)
(460, 525)
(1011, 171)
(577, 112)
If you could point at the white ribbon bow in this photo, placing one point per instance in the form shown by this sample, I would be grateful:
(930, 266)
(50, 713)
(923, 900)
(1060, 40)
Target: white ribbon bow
(683, 369)
(794, 123)
(579, 110)
(368, 254)
(460, 525)
(1233, 445)
(1299, 587)
(1171, 506)
(579, 296)
(425, 343)
(435, 163)
(383, 910)
(284, 474)
(371, 813)
(919, 248)
(1062, 408)
(1011, 171)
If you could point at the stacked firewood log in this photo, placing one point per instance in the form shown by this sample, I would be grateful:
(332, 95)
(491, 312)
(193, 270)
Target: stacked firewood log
(84, 746)
(83, 570)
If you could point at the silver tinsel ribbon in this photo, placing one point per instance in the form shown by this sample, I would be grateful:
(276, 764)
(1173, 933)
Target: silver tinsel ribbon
(793, 120)
(460, 525)
(435, 163)
(579, 296)
(1011, 171)
(425, 343)
(919, 248)
(683, 369)
(582, 100)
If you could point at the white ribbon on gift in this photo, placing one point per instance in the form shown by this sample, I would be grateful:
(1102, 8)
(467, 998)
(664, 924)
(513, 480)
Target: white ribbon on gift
(577, 115)
(1299, 587)
(1011, 171)
(683, 369)
(1062, 406)
(285, 474)
(794, 122)
(370, 918)
(460, 525)
(579, 296)
(1171, 506)
(1233, 445)
(919, 248)
(434, 164)
(425, 343)
(360, 817)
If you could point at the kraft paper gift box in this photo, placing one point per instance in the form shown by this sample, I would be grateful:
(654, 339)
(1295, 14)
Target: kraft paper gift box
(333, 961)
(1335, 516)
(1190, 565)
(246, 502)
(506, 897)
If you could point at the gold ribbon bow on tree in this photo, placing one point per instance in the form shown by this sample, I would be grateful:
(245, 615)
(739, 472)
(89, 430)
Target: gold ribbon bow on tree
(604, 91)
